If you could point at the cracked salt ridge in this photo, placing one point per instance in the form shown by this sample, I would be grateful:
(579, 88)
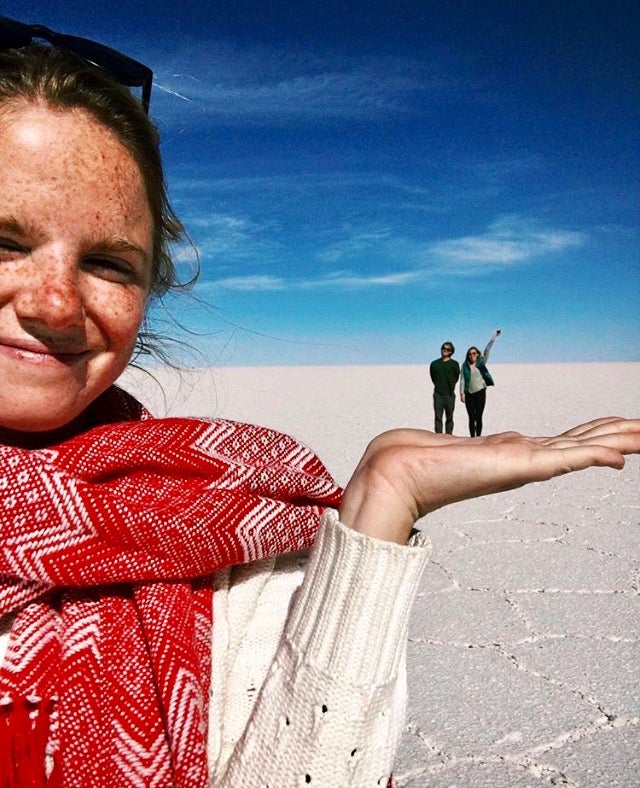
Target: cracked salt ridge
(525, 642)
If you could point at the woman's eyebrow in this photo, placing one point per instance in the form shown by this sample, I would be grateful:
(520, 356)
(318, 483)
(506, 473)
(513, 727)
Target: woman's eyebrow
(9, 224)
(118, 244)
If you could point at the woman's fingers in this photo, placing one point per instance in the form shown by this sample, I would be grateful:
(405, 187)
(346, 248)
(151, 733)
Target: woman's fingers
(622, 435)
(568, 456)
(609, 431)
(604, 425)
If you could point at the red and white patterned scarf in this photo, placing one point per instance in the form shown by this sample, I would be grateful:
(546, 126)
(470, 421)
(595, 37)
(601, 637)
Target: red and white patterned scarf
(108, 543)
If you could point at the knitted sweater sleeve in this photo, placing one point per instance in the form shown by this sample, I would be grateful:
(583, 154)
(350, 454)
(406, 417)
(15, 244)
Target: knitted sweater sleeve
(309, 681)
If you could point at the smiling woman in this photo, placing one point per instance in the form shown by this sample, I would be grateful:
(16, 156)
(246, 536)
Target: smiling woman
(75, 265)
(119, 665)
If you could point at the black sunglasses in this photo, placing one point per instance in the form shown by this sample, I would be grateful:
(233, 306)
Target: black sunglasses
(124, 69)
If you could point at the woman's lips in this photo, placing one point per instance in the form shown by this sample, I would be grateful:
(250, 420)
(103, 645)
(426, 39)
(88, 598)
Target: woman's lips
(37, 353)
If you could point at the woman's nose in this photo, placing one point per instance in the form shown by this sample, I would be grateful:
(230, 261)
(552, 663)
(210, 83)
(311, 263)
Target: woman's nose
(50, 293)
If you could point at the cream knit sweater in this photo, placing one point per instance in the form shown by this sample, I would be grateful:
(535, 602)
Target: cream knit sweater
(322, 705)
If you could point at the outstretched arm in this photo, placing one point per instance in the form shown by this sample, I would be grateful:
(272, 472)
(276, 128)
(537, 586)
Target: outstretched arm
(487, 349)
(405, 474)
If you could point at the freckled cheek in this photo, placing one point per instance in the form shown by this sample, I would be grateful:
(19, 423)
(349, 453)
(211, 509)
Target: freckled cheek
(7, 279)
(120, 319)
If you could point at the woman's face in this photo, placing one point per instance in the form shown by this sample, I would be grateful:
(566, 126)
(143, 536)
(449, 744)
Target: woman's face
(472, 355)
(75, 264)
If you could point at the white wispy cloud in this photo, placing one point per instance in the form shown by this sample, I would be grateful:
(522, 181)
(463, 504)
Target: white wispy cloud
(226, 238)
(339, 280)
(268, 85)
(248, 283)
(328, 95)
(354, 281)
(509, 240)
(355, 244)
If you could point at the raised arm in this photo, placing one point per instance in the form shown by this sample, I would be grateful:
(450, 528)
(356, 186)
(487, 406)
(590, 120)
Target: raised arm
(487, 349)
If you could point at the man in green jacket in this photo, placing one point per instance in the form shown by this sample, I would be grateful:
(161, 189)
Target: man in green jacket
(444, 372)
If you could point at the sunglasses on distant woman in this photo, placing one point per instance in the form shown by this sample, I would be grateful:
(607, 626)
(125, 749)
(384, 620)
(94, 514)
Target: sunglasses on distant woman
(124, 69)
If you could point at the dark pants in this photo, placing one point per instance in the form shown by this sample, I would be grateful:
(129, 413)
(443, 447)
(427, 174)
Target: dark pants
(444, 403)
(474, 403)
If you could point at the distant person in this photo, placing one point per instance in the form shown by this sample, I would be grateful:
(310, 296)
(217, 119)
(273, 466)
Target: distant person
(473, 384)
(444, 372)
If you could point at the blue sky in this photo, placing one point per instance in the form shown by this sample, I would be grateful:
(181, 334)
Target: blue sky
(363, 180)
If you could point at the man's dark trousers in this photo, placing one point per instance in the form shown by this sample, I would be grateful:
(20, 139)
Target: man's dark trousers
(444, 403)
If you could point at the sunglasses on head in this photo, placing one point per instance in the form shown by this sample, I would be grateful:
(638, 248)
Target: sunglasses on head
(124, 69)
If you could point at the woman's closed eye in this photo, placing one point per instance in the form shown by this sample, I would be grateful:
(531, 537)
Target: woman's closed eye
(10, 249)
(113, 269)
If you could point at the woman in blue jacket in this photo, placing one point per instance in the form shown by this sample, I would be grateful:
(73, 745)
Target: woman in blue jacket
(474, 380)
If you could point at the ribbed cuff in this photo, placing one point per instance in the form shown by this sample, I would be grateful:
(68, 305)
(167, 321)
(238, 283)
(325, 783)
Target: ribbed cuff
(351, 615)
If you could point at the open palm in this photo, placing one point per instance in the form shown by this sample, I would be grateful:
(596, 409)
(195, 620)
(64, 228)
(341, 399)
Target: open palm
(407, 473)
